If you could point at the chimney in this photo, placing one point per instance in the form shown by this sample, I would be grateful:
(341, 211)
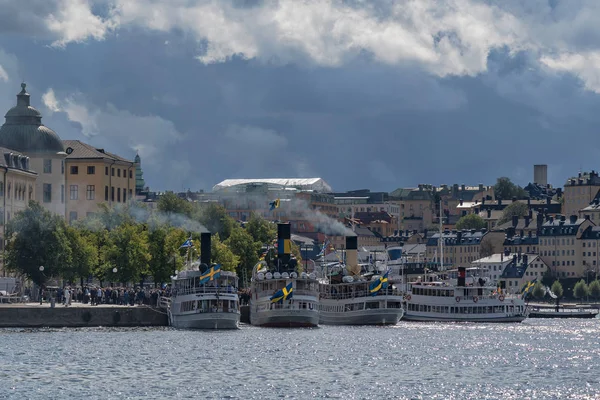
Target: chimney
(514, 199)
(529, 202)
(481, 187)
(527, 220)
(205, 248)
(458, 237)
(515, 220)
(522, 233)
(462, 187)
(587, 217)
(352, 254)
(525, 259)
(529, 233)
(483, 201)
(462, 274)
(489, 213)
(284, 243)
(514, 260)
(499, 201)
(548, 200)
(573, 219)
(460, 202)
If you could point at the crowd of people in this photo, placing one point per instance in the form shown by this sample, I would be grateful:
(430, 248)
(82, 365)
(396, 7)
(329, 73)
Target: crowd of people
(94, 295)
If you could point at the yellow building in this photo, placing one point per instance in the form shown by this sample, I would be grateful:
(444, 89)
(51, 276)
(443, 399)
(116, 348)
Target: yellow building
(95, 176)
(17, 187)
(460, 247)
(580, 191)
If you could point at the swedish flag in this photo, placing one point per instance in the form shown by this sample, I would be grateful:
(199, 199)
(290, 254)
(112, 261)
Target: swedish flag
(379, 284)
(283, 294)
(528, 287)
(211, 274)
(274, 204)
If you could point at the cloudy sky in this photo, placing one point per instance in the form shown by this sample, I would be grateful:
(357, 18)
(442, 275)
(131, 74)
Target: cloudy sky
(364, 94)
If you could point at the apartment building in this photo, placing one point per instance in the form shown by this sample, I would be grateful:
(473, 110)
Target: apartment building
(460, 248)
(523, 268)
(95, 176)
(579, 192)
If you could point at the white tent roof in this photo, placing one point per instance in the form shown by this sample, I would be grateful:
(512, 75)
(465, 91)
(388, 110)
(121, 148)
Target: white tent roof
(316, 184)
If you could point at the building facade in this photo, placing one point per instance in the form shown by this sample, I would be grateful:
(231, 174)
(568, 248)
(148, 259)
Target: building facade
(580, 191)
(95, 176)
(24, 132)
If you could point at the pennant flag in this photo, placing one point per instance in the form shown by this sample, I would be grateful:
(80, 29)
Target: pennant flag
(211, 274)
(274, 204)
(378, 284)
(283, 294)
(187, 243)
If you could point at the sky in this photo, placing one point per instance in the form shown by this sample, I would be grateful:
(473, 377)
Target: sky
(363, 94)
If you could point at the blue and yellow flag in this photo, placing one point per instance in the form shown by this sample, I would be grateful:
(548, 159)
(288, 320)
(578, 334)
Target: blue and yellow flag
(528, 287)
(283, 294)
(378, 284)
(211, 274)
(187, 243)
(274, 204)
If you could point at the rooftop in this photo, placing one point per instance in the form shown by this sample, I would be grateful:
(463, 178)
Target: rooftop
(316, 184)
(76, 149)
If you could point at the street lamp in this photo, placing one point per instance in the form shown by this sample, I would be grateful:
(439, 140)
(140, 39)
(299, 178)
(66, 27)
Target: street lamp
(41, 292)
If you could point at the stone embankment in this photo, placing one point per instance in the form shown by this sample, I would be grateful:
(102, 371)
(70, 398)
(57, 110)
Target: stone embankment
(34, 315)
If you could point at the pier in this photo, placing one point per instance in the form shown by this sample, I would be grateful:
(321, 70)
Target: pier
(35, 315)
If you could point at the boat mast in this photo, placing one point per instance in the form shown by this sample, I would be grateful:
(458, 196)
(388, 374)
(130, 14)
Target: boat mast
(441, 238)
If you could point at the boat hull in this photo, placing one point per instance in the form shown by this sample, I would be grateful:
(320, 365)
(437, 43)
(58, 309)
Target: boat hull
(465, 318)
(285, 318)
(562, 314)
(386, 316)
(225, 320)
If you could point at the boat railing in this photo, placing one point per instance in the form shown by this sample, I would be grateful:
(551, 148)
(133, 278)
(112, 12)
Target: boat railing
(358, 294)
(204, 289)
(297, 292)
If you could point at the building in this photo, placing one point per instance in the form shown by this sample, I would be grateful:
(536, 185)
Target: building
(522, 269)
(494, 264)
(460, 247)
(24, 132)
(17, 187)
(561, 245)
(140, 184)
(313, 184)
(579, 192)
(417, 207)
(95, 176)
(540, 174)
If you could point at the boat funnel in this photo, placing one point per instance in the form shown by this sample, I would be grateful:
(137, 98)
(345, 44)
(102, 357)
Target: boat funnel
(205, 248)
(462, 275)
(352, 255)
(284, 243)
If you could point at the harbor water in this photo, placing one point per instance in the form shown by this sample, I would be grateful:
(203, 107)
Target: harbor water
(537, 359)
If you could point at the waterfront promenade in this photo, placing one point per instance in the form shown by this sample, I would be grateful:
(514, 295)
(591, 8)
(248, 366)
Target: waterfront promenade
(36, 315)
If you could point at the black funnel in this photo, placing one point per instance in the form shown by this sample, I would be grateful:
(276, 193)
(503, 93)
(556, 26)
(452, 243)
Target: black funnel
(205, 248)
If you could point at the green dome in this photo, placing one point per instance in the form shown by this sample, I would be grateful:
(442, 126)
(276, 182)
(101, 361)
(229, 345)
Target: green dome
(23, 130)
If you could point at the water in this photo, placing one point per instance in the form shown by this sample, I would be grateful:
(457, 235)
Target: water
(538, 359)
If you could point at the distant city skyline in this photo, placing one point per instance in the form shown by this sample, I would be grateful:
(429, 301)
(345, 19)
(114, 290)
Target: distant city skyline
(364, 95)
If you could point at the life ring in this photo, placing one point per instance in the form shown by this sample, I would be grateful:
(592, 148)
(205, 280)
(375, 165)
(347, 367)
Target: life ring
(407, 297)
(457, 298)
(501, 298)
(475, 299)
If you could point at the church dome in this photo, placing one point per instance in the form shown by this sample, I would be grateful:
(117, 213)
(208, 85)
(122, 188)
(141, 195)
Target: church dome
(23, 130)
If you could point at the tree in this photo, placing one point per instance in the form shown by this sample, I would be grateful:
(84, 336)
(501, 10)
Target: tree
(130, 252)
(261, 230)
(514, 209)
(215, 218)
(557, 289)
(84, 254)
(505, 189)
(539, 291)
(37, 238)
(170, 203)
(471, 221)
(245, 248)
(594, 289)
(486, 248)
(580, 290)
(221, 254)
(165, 258)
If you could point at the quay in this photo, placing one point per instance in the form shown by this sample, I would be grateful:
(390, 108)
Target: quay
(35, 315)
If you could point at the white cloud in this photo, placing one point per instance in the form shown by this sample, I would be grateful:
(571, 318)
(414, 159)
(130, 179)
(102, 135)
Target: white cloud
(50, 101)
(74, 21)
(585, 65)
(3, 74)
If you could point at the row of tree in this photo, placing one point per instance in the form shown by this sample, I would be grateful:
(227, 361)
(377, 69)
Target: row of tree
(131, 243)
(580, 290)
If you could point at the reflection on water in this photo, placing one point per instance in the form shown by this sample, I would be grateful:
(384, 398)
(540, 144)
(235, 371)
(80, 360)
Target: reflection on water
(538, 359)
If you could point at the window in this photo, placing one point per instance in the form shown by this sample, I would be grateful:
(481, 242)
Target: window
(62, 167)
(106, 171)
(119, 172)
(112, 171)
(118, 194)
(130, 174)
(91, 170)
(124, 195)
(74, 192)
(91, 192)
(1, 189)
(62, 194)
(47, 166)
(74, 170)
(130, 193)
(124, 173)
(105, 193)
(72, 216)
(112, 194)
(47, 193)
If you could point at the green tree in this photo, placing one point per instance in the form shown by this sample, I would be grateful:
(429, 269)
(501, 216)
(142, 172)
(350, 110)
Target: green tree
(514, 209)
(505, 189)
(580, 290)
(37, 238)
(84, 254)
(539, 291)
(170, 203)
(216, 219)
(245, 248)
(595, 289)
(557, 289)
(130, 252)
(222, 254)
(165, 258)
(471, 221)
(486, 248)
(261, 230)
